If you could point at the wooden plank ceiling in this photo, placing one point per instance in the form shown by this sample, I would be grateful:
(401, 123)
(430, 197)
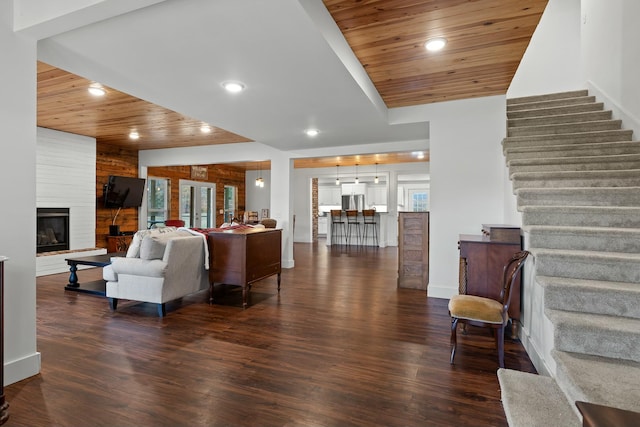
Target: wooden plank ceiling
(486, 41)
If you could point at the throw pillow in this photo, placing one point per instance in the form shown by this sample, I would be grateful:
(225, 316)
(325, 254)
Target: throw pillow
(152, 247)
(136, 242)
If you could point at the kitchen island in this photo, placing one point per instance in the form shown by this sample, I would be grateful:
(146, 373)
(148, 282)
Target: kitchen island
(381, 228)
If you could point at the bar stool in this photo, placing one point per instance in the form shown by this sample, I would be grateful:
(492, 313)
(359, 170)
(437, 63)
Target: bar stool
(353, 224)
(369, 216)
(337, 226)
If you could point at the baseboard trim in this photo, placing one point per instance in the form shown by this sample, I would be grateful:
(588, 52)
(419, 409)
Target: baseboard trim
(445, 292)
(533, 353)
(18, 370)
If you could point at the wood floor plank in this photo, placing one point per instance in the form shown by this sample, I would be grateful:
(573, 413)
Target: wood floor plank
(340, 345)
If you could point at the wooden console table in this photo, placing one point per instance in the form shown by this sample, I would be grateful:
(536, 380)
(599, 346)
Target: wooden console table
(244, 256)
(4, 405)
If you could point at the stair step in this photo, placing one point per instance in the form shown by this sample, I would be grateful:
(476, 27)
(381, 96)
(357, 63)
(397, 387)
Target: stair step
(582, 150)
(550, 103)
(591, 296)
(588, 216)
(599, 196)
(524, 395)
(560, 119)
(604, 239)
(599, 380)
(547, 97)
(575, 179)
(555, 129)
(552, 111)
(591, 265)
(596, 334)
(544, 141)
(548, 164)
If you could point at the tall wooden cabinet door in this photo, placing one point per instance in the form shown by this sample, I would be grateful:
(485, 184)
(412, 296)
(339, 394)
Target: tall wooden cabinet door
(413, 250)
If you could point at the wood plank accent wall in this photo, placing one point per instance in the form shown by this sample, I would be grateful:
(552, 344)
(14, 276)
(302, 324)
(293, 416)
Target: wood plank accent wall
(220, 175)
(112, 160)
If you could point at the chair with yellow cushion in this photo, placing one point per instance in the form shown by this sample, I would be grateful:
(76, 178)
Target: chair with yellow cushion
(486, 312)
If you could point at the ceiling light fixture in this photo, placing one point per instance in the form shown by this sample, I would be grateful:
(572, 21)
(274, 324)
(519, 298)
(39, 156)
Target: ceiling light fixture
(233, 87)
(134, 135)
(376, 180)
(435, 44)
(96, 89)
(312, 132)
(205, 129)
(357, 180)
(337, 176)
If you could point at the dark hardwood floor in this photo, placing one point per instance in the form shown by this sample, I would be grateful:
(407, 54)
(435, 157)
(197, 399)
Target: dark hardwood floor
(340, 345)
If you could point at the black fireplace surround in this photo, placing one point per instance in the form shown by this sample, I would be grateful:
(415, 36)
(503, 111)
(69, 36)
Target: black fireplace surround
(52, 230)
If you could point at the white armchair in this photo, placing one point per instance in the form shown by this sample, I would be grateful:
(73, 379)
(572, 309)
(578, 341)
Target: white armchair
(165, 266)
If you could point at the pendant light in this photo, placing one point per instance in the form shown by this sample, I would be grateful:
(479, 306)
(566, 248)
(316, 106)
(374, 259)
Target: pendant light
(337, 176)
(258, 176)
(376, 180)
(357, 180)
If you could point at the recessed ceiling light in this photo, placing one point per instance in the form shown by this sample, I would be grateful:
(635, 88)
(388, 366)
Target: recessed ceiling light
(233, 87)
(134, 135)
(96, 89)
(435, 44)
(312, 132)
(205, 129)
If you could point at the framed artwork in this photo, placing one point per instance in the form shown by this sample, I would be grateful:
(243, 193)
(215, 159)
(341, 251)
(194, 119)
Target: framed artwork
(264, 213)
(199, 172)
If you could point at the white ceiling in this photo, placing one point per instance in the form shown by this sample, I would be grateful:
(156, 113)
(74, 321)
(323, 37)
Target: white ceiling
(293, 60)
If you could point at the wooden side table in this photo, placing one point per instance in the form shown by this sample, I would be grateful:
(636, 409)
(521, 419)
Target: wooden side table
(119, 243)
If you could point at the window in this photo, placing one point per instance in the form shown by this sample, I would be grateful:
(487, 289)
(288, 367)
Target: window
(230, 202)
(418, 200)
(157, 200)
(197, 203)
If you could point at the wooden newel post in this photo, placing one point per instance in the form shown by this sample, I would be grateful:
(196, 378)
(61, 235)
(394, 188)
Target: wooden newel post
(4, 405)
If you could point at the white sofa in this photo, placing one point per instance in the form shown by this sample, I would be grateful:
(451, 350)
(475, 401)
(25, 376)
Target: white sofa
(161, 265)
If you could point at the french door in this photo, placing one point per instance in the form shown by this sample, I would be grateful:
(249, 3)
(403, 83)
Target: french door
(198, 204)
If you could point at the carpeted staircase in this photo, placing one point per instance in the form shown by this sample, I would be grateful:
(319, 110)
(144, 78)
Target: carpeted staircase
(576, 175)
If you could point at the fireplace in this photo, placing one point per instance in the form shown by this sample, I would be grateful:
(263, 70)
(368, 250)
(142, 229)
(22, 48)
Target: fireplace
(52, 230)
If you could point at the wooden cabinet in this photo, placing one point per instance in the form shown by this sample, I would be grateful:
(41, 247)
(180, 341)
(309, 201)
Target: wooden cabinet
(244, 256)
(482, 259)
(413, 250)
(119, 243)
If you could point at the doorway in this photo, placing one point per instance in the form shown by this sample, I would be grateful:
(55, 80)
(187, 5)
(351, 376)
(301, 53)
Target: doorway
(197, 203)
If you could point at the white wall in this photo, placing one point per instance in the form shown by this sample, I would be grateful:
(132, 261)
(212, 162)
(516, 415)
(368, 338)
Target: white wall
(18, 195)
(552, 60)
(66, 178)
(611, 57)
